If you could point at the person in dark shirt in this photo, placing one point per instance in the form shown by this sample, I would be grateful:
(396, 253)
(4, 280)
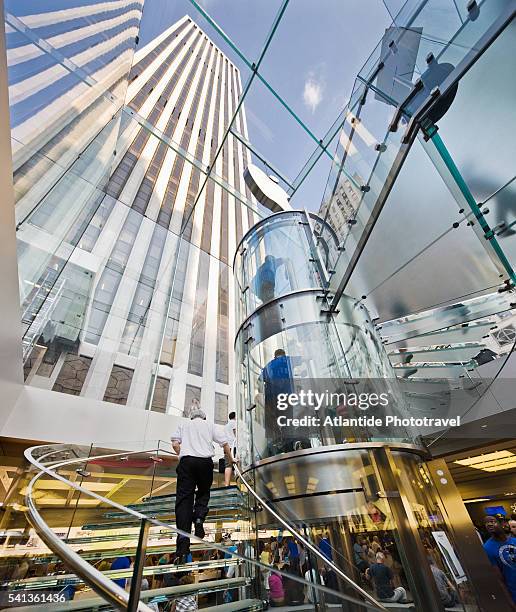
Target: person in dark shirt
(294, 591)
(382, 576)
(265, 279)
(325, 547)
(359, 557)
(330, 580)
(277, 378)
(118, 564)
(501, 550)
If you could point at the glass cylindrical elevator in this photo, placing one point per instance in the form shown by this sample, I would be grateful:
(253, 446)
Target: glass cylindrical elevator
(362, 490)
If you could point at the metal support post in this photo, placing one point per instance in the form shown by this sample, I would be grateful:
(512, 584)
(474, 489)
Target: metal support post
(139, 564)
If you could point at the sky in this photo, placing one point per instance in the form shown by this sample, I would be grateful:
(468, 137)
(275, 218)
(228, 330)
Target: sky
(312, 61)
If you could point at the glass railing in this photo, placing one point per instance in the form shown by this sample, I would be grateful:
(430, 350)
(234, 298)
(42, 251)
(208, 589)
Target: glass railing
(222, 572)
(287, 344)
(336, 500)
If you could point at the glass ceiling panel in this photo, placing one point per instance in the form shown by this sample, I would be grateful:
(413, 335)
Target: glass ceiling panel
(301, 102)
(245, 23)
(485, 155)
(312, 181)
(403, 60)
(273, 131)
(311, 65)
(431, 255)
(50, 85)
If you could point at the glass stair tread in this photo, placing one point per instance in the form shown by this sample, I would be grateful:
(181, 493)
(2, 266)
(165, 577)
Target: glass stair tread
(452, 354)
(433, 371)
(134, 536)
(444, 318)
(154, 570)
(221, 498)
(214, 494)
(97, 555)
(468, 332)
(208, 586)
(131, 523)
(234, 606)
(166, 509)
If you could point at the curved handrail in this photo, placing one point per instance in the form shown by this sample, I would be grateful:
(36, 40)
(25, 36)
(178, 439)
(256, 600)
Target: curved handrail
(307, 543)
(97, 580)
(100, 583)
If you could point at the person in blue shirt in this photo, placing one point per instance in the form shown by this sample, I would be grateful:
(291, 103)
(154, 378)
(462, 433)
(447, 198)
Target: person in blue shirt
(501, 550)
(325, 547)
(118, 564)
(277, 378)
(293, 553)
(265, 279)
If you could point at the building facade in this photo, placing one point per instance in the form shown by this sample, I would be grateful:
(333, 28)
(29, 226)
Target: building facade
(124, 270)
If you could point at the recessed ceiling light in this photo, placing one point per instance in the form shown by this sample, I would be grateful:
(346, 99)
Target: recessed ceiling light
(473, 501)
(490, 462)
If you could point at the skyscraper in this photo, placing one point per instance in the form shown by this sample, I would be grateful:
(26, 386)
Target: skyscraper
(132, 300)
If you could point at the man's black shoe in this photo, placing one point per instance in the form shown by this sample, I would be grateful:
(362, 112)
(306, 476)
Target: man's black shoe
(179, 560)
(199, 529)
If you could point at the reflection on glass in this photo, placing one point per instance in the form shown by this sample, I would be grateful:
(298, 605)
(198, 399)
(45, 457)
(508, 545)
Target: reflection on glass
(289, 344)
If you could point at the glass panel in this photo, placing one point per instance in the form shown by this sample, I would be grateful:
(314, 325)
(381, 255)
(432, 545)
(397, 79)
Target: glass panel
(466, 332)
(274, 261)
(441, 318)
(432, 371)
(408, 59)
(289, 345)
(393, 273)
(493, 187)
(68, 74)
(320, 76)
(97, 277)
(453, 354)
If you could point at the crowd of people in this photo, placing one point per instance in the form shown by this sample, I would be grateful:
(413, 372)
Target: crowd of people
(286, 555)
(377, 562)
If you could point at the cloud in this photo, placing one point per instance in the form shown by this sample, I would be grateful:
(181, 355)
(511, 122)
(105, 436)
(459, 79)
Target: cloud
(313, 92)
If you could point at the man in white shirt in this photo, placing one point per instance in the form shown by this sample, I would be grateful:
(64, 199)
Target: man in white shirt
(311, 592)
(193, 441)
(230, 429)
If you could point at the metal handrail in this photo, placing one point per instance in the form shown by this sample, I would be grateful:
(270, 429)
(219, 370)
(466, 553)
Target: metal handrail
(298, 536)
(104, 586)
(101, 584)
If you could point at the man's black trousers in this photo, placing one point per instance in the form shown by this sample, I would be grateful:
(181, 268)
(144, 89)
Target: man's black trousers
(194, 480)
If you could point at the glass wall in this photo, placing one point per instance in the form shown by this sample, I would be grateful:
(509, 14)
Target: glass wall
(68, 72)
(124, 242)
(429, 41)
(291, 344)
(341, 498)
